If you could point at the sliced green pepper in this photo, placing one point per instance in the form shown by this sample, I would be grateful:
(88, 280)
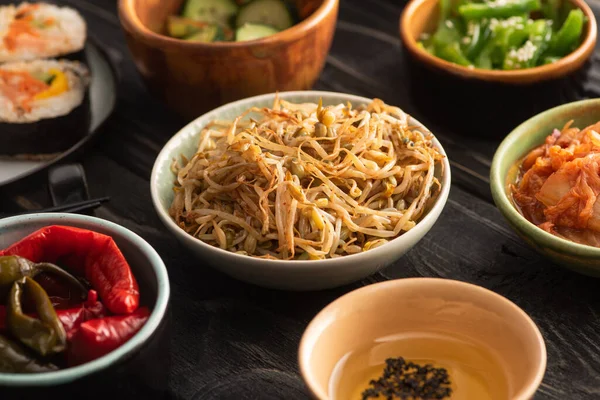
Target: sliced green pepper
(452, 53)
(15, 359)
(445, 9)
(507, 35)
(551, 10)
(528, 55)
(550, 60)
(480, 35)
(498, 9)
(567, 38)
(13, 268)
(45, 335)
(446, 43)
(484, 59)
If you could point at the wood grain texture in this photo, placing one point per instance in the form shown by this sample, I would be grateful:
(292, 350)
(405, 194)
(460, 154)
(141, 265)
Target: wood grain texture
(193, 77)
(236, 341)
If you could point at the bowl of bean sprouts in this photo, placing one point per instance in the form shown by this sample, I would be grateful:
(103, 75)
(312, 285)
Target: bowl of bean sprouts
(301, 190)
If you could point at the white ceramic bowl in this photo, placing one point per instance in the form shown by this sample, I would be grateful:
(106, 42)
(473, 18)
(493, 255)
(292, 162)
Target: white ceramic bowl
(279, 274)
(131, 360)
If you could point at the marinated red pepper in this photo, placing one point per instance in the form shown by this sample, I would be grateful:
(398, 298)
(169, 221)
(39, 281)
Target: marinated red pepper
(91, 254)
(43, 302)
(98, 337)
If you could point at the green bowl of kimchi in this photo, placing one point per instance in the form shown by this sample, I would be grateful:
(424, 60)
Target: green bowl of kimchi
(505, 171)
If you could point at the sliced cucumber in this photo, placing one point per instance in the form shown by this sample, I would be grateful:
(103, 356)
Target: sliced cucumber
(253, 32)
(207, 34)
(213, 11)
(44, 76)
(265, 12)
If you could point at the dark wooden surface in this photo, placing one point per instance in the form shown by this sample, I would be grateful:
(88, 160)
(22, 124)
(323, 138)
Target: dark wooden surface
(234, 340)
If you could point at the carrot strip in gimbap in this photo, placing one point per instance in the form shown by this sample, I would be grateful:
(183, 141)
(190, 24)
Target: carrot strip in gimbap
(44, 106)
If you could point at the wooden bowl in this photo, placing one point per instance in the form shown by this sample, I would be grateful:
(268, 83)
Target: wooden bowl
(420, 16)
(194, 77)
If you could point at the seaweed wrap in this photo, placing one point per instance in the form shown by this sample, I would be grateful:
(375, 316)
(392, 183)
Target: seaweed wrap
(32, 31)
(44, 106)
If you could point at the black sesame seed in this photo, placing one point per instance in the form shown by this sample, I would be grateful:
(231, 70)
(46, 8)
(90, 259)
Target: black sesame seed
(407, 380)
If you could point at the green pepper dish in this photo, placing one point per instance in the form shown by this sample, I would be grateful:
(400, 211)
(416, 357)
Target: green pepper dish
(504, 34)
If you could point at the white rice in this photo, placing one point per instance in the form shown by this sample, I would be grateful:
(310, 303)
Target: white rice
(67, 35)
(78, 77)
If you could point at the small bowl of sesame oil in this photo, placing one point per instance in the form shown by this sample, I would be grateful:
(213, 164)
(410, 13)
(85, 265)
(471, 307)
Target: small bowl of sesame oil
(422, 339)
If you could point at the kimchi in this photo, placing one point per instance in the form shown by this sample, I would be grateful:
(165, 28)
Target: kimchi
(558, 185)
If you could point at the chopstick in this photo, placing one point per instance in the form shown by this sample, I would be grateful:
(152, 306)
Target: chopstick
(70, 208)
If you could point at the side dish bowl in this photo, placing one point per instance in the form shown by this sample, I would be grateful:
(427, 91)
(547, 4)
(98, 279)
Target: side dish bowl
(452, 90)
(290, 275)
(419, 16)
(430, 306)
(194, 77)
(532, 133)
(131, 364)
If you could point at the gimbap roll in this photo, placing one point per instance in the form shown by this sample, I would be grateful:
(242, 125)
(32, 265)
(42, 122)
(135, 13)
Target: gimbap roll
(44, 106)
(31, 31)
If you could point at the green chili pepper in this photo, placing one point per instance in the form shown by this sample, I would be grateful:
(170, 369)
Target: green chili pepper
(527, 56)
(504, 35)
(567, 38)
(498, 9)
(45, 335)
(445, 9)
(452, 53)
(484, 59)
(446, 43)
(550, 60)
(15, 359)
(13, 268)
(551, 10)
(481, 34)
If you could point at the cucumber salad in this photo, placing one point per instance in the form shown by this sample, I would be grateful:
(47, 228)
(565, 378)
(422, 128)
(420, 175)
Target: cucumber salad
(230, 20)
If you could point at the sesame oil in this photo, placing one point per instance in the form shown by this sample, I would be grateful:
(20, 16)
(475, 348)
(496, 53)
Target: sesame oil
(473, 370)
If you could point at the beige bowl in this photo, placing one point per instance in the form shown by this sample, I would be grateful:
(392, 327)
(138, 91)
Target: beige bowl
(424, 305)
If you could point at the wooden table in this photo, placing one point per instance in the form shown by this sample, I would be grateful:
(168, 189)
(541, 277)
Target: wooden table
(234, 340)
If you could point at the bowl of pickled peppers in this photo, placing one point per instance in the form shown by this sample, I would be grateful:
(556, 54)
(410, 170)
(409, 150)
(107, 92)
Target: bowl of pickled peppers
(67, 297)
(500, 38)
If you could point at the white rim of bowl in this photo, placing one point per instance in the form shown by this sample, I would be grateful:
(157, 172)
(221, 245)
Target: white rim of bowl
(161, 163)
(138, 340)
(317, 324)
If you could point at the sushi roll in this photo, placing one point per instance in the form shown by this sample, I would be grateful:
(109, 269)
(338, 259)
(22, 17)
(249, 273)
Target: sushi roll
(31, 31)
(44, 106)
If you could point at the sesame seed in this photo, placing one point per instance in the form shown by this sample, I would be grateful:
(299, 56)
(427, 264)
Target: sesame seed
(471, 28)
(512, 22)
(523, 54)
